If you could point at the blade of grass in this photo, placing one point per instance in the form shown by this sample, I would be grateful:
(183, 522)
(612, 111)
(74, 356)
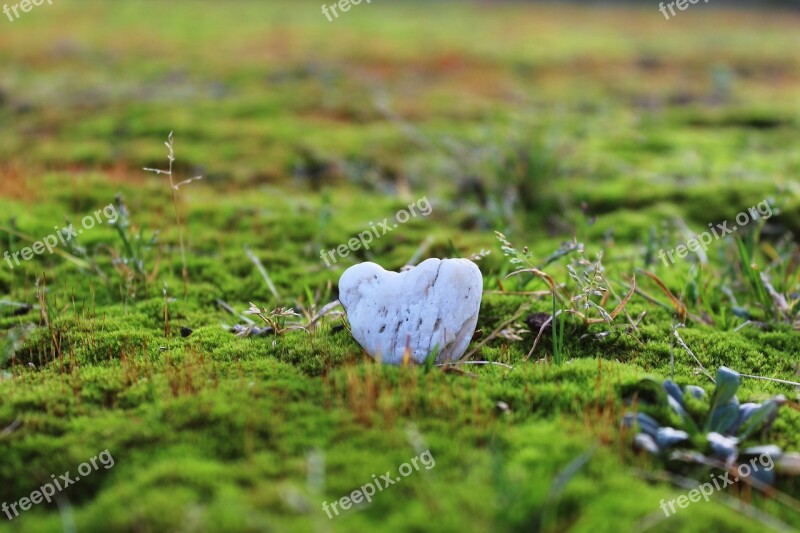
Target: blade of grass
(69, 257)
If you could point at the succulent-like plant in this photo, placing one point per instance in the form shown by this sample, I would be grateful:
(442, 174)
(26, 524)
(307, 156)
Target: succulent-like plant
(704, 430)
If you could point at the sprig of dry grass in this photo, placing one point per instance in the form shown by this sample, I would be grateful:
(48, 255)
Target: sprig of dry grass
(591, 284)
(174, 189)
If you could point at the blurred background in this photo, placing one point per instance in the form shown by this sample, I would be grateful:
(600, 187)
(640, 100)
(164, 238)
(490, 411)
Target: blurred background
(398, 96)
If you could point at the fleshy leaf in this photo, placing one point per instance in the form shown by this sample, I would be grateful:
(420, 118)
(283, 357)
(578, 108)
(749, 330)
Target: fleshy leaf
(723, 417)
(727, 385)
(754, 419)
(764, 473)
(768, 449)
(723, 448)
(789, 464)
(651, 391)
(645, 422)
(667, 437)
(643, 441)
(674, 391)
(745, 411)
(696, 392)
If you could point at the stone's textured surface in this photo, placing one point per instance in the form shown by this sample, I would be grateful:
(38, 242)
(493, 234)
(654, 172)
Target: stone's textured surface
(435, 303)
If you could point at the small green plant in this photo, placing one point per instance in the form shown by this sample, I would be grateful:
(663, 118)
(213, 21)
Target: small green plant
(752, 275)
(130, 262)
(688, 426)
(759, 284)
(713, 298)
(276, 321)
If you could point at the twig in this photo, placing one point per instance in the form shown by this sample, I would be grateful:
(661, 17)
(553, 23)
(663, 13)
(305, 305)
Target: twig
(672, 356)
(263, 272)
(476, 363)
(538, 336)
(11, 428)
(418, 253)
(627, 298)
(232, 311)
(539, 294)
(655, 301)
(494, 333)
(776, 380)
(327, 308)
(685, 347)
(458, 371)
(187, 182)
(680, 308)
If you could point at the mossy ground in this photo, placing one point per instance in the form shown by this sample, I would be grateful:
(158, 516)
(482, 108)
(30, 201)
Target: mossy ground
(541, 122)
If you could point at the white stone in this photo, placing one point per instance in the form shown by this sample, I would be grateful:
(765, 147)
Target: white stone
(435, 303)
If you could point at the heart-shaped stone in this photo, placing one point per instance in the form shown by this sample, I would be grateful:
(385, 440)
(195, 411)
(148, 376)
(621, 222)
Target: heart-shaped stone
(432, 305)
